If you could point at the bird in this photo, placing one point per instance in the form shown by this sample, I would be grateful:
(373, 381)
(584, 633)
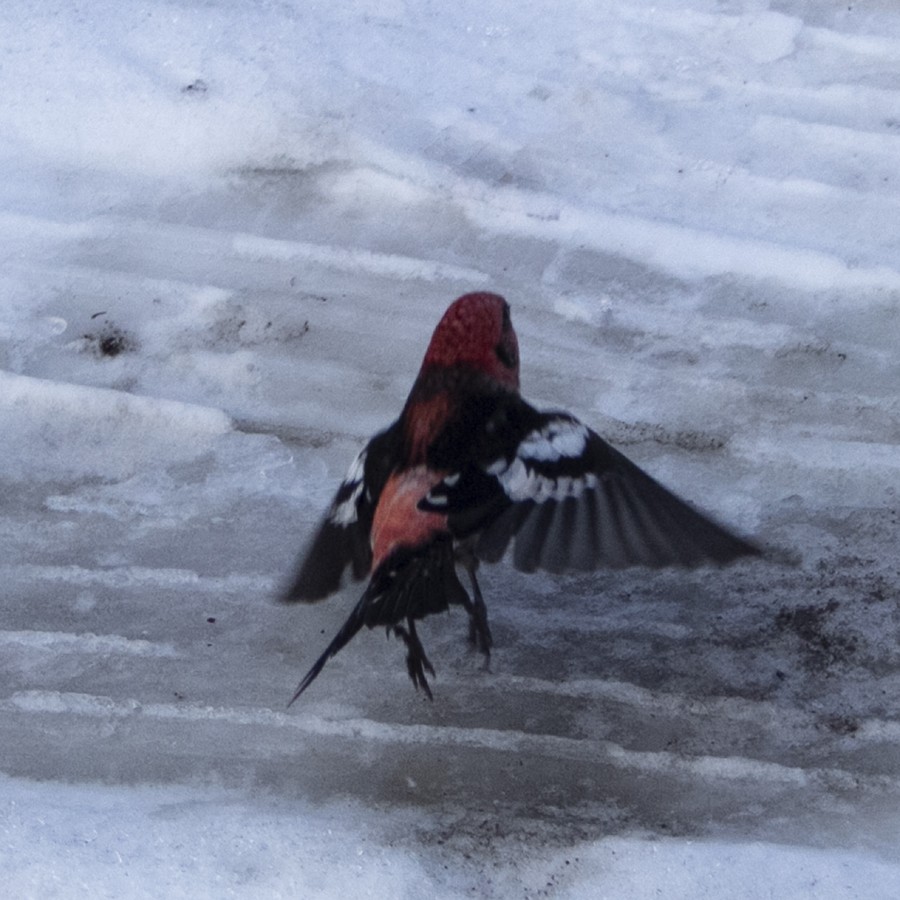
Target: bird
(469, 470)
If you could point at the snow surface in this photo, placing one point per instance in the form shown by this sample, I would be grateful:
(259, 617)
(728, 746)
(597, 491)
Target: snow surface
(227, 230)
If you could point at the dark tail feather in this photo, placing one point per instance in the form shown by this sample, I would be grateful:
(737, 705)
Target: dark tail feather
(342, 638)
(409, 585)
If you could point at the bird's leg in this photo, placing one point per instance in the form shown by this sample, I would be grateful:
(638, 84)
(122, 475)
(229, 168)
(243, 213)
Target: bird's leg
(479, 630)
(417, 662)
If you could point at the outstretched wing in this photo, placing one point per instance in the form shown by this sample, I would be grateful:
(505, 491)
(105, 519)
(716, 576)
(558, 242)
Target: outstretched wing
(410, 584)
(568, 500)
(342, 539)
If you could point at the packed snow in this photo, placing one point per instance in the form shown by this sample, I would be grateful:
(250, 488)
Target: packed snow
(227, 231)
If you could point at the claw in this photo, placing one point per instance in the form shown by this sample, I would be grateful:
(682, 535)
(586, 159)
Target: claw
(417, 663)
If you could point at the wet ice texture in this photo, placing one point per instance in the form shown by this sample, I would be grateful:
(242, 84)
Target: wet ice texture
(213, 296)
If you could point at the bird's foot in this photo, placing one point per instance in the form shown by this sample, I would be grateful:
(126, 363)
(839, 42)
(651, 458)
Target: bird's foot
(480, 637)
(417, 663)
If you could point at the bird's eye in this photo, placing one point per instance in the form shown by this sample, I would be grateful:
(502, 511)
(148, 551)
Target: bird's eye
(506, 355)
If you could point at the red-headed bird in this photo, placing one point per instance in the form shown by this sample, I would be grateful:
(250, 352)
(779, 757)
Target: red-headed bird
(470, 468)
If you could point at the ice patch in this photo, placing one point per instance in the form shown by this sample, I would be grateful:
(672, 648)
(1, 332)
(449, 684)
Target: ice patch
(100, 644)
(388, 265)
(62, 840)
(690, 252)
(583, 309)
(680, 869)
(130, 577)
(50, 430)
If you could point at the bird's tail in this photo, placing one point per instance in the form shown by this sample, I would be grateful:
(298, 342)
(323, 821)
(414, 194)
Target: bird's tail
(347, 632)
(410, 584)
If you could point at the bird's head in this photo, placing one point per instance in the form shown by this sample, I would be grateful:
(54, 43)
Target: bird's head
(476, 332)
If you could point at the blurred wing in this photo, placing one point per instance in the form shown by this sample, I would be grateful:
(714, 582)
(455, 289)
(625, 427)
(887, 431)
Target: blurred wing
(342, 539)
(568, 500)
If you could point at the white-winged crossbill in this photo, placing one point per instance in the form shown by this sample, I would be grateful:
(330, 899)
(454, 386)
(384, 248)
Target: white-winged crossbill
(470, 468)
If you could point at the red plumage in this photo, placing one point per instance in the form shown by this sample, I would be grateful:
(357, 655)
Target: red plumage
(398, 522)
(470, 469)
(469, 335)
